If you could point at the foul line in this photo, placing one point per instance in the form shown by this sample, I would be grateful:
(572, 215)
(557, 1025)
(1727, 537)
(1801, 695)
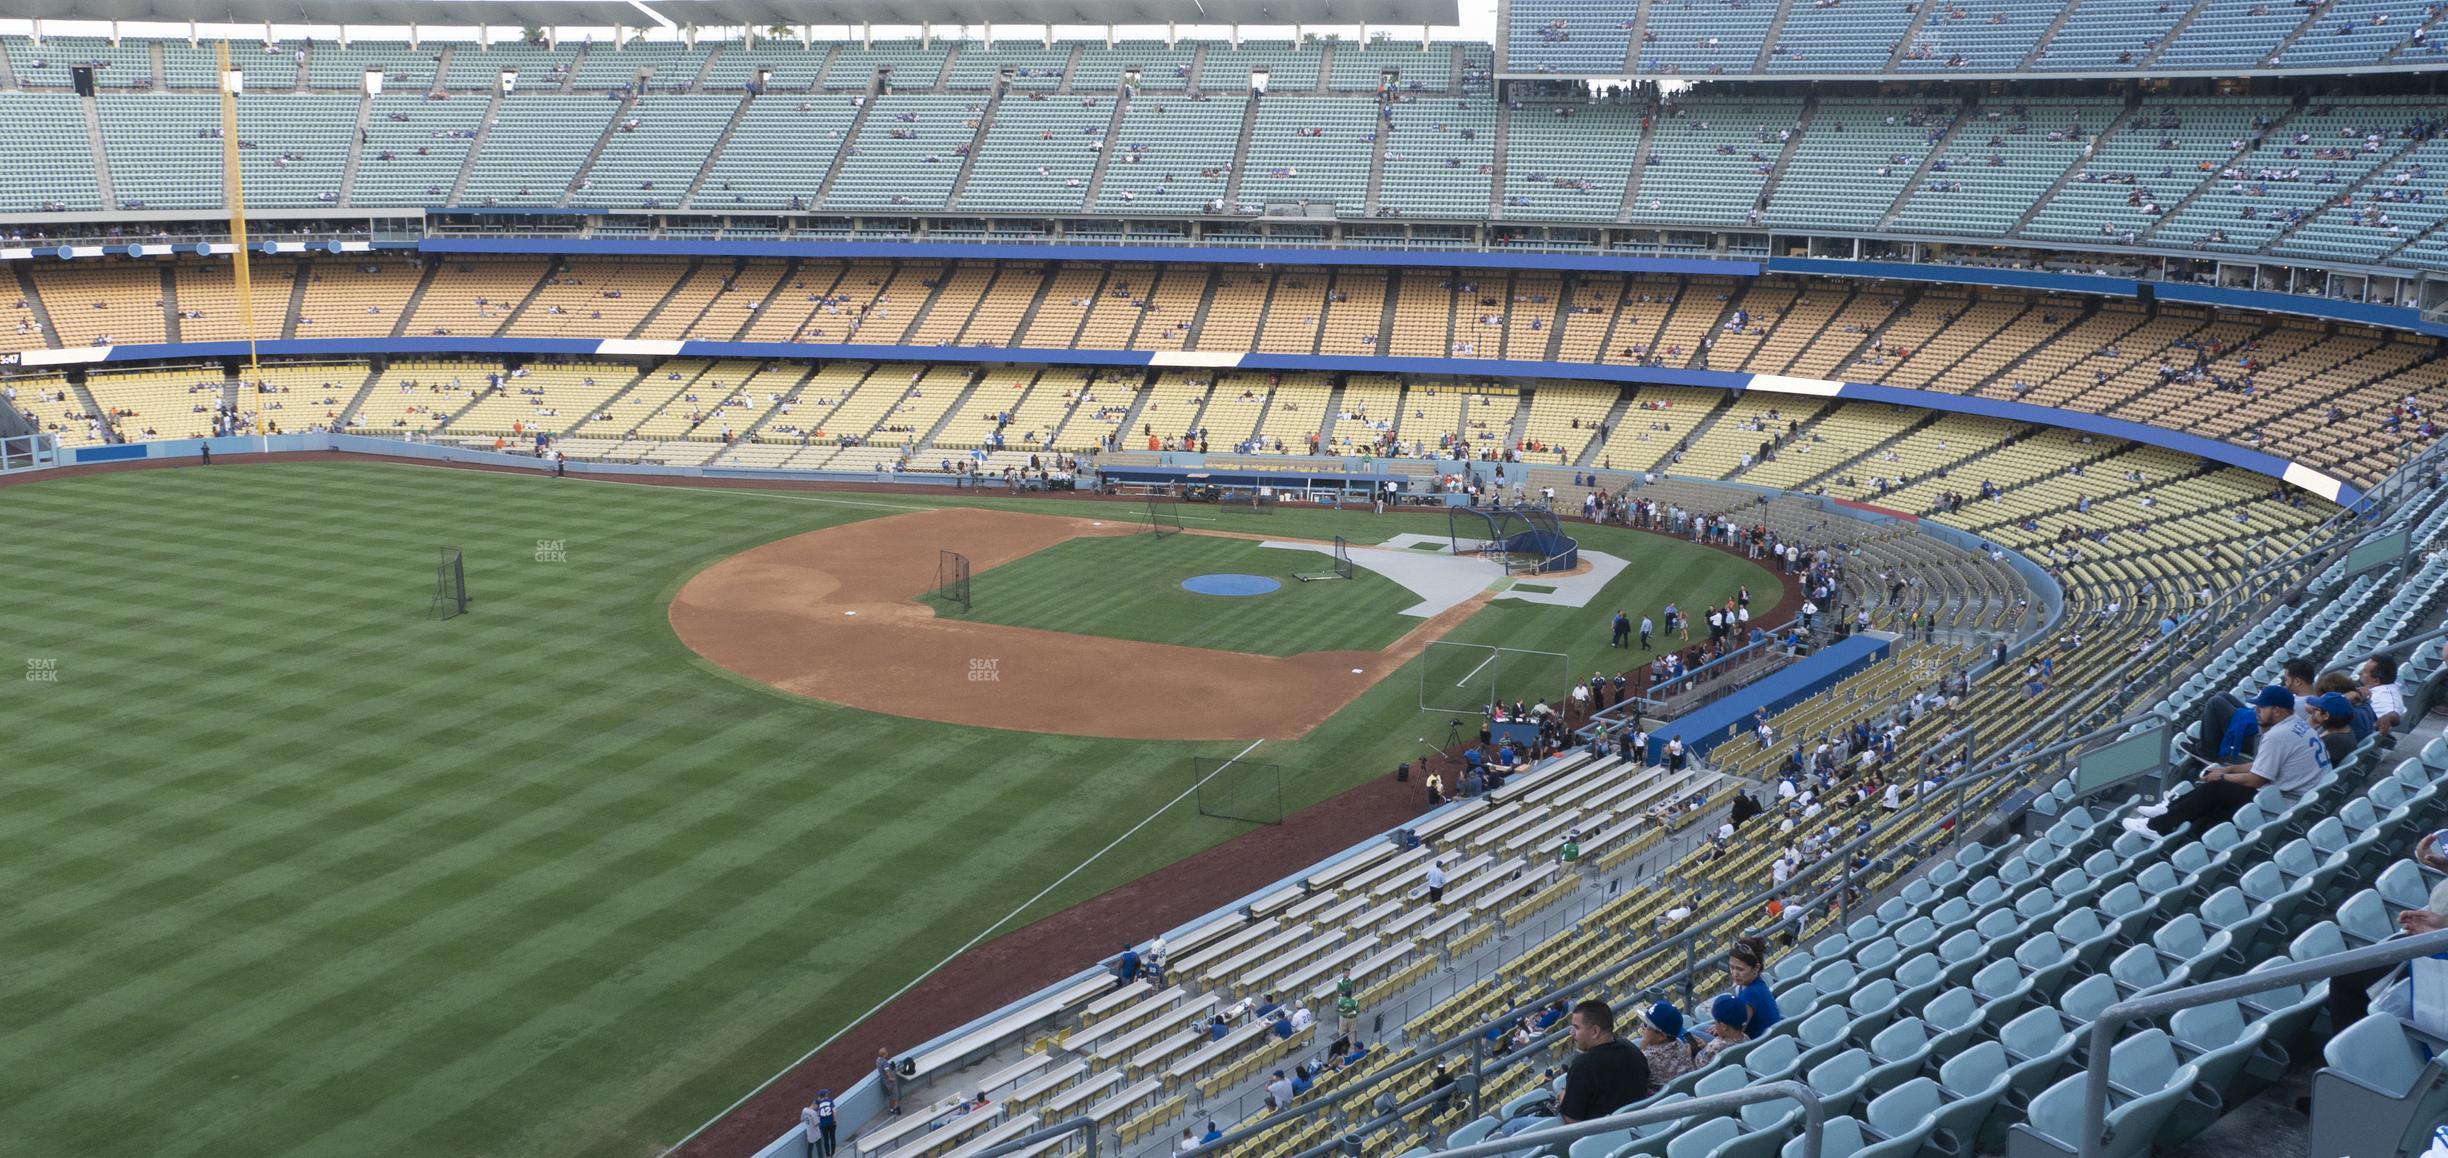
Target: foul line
(971, 944)
(1465, 680)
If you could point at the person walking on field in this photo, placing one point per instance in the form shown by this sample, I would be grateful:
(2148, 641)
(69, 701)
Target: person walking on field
(1646, 631)
(1623, 631)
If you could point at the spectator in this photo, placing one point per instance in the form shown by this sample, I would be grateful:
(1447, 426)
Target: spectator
(2333, 721)
(1157, 957)
(2350, 993)
(1662, 1045)
(1727, 1015)
(820, 1121)
(1126, 967)
(1347, 1013)
(2229, 730)
(1604, 1077)
(1279, 1092)
(2290, 757)
(1744, 962)
(888, 1077)
(2380, 690)
(1212, 1135)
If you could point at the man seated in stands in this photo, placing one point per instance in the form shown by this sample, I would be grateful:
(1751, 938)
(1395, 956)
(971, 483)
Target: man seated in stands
(1606, 1073)
(2291, 758)
(2381, 692)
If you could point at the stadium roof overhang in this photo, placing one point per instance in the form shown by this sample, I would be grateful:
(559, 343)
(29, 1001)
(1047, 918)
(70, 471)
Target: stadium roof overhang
(721, 13)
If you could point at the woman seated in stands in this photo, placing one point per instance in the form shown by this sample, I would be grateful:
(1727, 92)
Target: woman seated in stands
(1745, 962)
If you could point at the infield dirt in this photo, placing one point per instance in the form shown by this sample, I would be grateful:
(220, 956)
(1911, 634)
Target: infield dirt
(833, 615)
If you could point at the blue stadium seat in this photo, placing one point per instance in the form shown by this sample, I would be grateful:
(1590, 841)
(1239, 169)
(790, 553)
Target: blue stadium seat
(2379, 1093)
(2217, 1040)
(2146, 1081)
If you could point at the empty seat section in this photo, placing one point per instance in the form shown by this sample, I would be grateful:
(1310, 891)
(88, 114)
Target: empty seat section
(1226, 69)
(1562, 36)
(1160, 69)
(1828, 38)
(655, 151)
(1038, 155)
(1439, 157)
(46, 160)
(52, 64)
(404, 69)
(913, 68)
(1028, 66)
(99, 305)
(2148, 161)
(1978, 35)
(414, 149)
(908, 152)
(2233, 34)
(536, 144)
(356, 299)
(1709, 158)
(1175, 155)
(778, 153)
(1362, 67)
(787, 66)
(1571, 160)
(2001, 159)
(1703, 38)
(1310, 150)
(666, 66)
(2109, 34)
(1852, 161)
(540, 68)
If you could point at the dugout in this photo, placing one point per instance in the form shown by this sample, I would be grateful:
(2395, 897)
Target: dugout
(1236, 486)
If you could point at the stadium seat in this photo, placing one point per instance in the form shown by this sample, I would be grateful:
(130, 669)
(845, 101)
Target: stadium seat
(2146, 1081)
(2379, 1091)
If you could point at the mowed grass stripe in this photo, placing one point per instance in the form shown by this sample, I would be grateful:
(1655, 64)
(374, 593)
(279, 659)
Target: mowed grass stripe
(315, 874)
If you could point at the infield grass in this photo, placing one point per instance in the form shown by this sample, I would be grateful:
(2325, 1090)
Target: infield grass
(1130, 588)
(287, 869)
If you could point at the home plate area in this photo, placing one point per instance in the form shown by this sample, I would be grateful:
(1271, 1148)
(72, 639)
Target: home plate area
(1443, 580)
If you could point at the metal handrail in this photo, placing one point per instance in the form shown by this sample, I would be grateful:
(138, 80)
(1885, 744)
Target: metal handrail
(1083, 1125)
(2115, 1018)
(1814, 1120)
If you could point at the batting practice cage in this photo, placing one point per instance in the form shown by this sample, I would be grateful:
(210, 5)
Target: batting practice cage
(1339, 568)
(1464, 678)
(450, 595)
(1163, 518)
(1235, 789)
(951, 579)
(1526, 540)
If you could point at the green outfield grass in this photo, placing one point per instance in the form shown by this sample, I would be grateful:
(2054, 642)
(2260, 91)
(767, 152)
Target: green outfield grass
(1138, 578)
(287, 869)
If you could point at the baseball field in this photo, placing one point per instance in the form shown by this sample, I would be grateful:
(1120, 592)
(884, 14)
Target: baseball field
(288, 867)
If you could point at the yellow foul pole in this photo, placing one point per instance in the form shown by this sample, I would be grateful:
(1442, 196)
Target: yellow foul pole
(234, 195)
